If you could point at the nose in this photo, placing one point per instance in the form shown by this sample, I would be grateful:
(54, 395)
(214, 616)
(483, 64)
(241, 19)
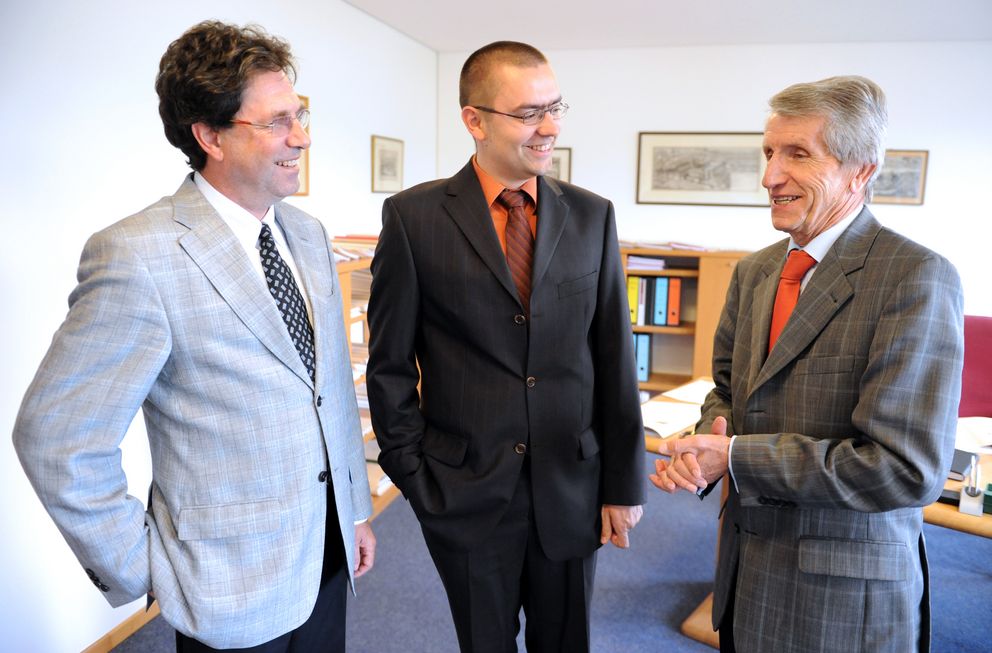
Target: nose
(298, 136)
(548, 125)
(773, 173)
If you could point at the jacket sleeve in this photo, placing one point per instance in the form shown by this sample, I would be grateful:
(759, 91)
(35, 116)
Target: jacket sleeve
(617, 395)
(393, 375)
(98, 370)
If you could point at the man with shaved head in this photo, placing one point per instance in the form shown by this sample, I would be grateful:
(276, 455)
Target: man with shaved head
(501, 375)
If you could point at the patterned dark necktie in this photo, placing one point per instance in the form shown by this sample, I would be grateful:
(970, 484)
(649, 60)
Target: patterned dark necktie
(284, 290)
(796, 267)
(519, 243)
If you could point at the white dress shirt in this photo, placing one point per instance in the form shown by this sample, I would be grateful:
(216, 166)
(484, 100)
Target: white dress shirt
(247, 229)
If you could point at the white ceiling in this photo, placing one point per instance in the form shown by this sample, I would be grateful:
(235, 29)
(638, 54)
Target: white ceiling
(464, 25)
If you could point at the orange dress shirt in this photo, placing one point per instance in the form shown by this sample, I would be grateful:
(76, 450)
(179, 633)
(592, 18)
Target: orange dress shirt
(491, 188)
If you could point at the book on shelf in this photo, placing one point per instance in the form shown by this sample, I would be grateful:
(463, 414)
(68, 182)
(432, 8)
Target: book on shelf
(642, 354)
(641, 299)
(633, 290)
(629, 244)
(635, 262)
(674, 301)
(659, 316)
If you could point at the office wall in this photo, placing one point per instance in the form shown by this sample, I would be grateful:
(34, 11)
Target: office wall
(85, 148)
(938, 101)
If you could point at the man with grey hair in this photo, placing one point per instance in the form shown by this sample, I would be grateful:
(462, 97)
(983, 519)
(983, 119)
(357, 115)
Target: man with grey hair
(837, 364)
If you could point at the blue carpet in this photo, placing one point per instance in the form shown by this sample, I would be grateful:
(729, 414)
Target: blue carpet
(642, 595)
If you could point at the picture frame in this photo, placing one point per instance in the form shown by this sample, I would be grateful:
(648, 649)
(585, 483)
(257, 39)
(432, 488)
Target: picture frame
(903, 178)
(304, 157)
(387, 164)
(704, 168)
(561, 164)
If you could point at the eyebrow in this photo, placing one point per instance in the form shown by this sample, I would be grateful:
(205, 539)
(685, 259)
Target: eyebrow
(533, 107)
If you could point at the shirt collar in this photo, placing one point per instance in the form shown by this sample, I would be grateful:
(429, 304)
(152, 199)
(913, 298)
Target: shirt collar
(491, 187)
(819, 246)
(245, 226)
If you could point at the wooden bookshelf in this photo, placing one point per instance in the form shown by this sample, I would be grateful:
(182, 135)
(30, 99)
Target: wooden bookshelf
(684, 351)
(354, 279)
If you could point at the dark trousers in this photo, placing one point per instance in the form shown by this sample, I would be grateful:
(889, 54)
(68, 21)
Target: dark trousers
(727, 623)
(324, 629)
(488, 585)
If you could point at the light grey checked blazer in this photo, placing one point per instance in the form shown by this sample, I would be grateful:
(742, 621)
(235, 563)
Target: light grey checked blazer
(846, 431)
(170, 316)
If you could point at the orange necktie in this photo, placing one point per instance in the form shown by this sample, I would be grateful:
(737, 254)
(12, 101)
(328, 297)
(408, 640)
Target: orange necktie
(796, 267)
(519, 243)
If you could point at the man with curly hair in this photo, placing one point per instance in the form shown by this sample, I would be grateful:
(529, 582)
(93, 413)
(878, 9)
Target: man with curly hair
(216, 311)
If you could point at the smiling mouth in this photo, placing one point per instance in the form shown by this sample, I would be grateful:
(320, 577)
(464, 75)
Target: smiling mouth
(543, 147)
(288, 164)
(785, 199)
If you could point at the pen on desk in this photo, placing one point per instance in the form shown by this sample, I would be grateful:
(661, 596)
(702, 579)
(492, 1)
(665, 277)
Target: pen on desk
(971, 487)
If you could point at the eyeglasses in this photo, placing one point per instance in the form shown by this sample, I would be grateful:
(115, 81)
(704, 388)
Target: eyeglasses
(280, 126)
(533, 117)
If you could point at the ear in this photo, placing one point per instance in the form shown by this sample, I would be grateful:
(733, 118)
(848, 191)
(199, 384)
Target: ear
(209, 140)
(861, 177)
(472, 118)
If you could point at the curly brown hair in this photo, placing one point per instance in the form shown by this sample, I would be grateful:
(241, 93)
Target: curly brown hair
(204, 73)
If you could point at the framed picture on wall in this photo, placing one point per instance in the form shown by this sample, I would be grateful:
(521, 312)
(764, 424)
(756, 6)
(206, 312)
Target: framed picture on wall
(305, 158)
(902, 179)
(387, 164)
(561, 164)
(710, 168)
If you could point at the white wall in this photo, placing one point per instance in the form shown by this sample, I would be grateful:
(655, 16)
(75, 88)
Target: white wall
(939, 100)
(85, 148)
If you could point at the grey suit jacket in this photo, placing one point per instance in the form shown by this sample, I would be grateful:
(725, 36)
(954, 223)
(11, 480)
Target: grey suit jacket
(444, 311)
(845, 432)
(170, 316)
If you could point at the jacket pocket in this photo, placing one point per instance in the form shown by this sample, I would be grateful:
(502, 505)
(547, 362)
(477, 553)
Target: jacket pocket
(575, 286)
(444, 447)
(588, 444)
(228, 520)
(854, 558)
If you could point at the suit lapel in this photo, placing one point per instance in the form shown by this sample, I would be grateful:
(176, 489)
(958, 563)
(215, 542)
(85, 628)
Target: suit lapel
(307, 244)
(828, 290)
(552, 214)
(218, 254)
(466, 205)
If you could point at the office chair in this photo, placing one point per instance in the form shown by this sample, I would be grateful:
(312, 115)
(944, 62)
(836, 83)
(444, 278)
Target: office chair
(976, 379)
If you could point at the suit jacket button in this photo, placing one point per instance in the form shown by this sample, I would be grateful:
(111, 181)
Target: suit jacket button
(520, 448)
(531, 382)
(103, 588)
(322, 477)
(320, 400)
(519, 319)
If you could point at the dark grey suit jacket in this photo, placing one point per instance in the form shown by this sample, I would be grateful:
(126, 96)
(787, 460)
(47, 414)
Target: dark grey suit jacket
(846, 431)
(444, 312)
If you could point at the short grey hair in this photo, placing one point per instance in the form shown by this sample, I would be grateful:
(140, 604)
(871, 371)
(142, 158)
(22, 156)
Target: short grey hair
(855, 113)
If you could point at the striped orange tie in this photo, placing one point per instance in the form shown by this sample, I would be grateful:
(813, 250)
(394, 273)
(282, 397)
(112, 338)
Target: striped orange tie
(796, 267)
(519, 243)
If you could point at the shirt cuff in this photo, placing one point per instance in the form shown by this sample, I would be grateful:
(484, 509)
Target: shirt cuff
(730, 463)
